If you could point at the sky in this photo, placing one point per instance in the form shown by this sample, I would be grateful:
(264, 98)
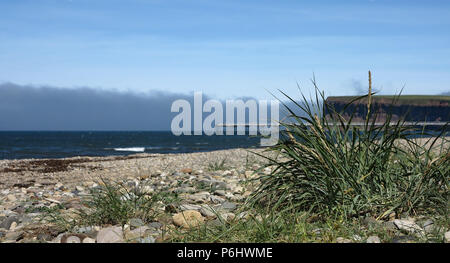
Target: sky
(119, 64)
(229, 48)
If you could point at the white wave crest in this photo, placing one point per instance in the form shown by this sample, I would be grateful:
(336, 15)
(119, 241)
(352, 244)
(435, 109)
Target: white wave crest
(130, 149)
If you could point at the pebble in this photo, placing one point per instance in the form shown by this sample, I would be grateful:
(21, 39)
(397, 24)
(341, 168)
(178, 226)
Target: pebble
(156, 225)
(88, 240)
(146, 240)
(408, 226)
(185, 207)
(216, 199)
(208, 212)
(136, 222)
(343, 240)
(447, 236)
(136, 233)
(11, 198)
(6, 224)
(228, 206)
(188, 219)
(73, 239)
(428, 226)
(373, 239)
(112, 234)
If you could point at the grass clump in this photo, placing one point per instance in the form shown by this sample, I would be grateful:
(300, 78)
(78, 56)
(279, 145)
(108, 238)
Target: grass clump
(331, 168)
(218, 165)
(116, 204)
(113, 203)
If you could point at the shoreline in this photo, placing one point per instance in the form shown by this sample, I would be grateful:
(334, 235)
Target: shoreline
(80, 168)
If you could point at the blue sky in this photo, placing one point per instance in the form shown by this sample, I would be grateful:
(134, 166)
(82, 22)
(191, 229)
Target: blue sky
(227, 48)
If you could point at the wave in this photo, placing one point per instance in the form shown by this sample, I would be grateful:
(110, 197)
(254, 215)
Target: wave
(130, 149)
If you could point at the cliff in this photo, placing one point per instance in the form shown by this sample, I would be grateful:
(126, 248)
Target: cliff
(413, 107)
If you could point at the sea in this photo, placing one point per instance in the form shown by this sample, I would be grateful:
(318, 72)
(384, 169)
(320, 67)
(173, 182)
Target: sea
(62, 144)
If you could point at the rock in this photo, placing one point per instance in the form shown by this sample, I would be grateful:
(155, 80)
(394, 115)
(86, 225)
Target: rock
(170, 208)
(447, 236)
(428, 226)
(208, 212)
(13, 226)
(188, 219)
(73, 239)
(216, 199)
(227, 206)
(59, 186)
(186, 170)
(220, 192)
(136, 233)
(85, 230)
(147, 240)
(373, 239)
(6, 223)
(136, 222)
(244, 215)
(228, 217)
(156, 225)
(343, 240)
(199, 197)
(185, 190)
(14, 236)
(370, 221)
(56, 239)
(185, 207)
(11, 198)
(356, 238)
(111, 234)
(88, 240)
(403, 239)
(147, 189)
(390, 226)
(79, 188)
(52, 201)
(408, 226)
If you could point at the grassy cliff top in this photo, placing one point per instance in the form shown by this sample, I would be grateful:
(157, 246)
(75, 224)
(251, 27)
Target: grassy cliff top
(403, 99)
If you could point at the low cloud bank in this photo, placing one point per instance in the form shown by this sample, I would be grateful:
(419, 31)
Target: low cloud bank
(50, 108)
(25, 107)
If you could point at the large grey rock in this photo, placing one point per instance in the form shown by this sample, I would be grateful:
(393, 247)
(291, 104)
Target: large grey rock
(111, 234)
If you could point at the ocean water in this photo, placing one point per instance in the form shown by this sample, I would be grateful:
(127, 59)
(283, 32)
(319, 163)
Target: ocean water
(46, 144)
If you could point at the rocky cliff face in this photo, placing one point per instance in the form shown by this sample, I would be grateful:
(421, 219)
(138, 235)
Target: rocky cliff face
(414, 108)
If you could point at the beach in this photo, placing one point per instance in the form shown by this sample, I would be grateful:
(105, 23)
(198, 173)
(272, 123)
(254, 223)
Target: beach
(29, 185)
(40, 197)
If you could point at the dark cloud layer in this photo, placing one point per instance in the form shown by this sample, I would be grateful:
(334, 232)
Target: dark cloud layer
(50, 108)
